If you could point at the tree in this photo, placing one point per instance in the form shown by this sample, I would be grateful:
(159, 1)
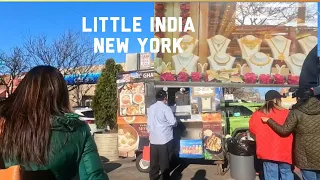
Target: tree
(71, 53)
(264, 13)
(105, 104)
(13, 67)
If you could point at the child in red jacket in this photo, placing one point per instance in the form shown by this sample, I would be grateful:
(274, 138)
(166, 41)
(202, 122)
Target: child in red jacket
(275, 151)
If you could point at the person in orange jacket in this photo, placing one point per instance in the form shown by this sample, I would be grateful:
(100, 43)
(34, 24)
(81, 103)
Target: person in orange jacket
(273, 150)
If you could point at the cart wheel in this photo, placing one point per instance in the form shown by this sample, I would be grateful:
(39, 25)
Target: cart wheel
(142, 165)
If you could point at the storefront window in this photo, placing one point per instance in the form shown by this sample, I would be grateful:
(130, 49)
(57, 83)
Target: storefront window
(247, 42)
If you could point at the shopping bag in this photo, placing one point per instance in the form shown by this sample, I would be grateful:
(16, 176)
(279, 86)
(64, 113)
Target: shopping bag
(11, 173)
(146, 153)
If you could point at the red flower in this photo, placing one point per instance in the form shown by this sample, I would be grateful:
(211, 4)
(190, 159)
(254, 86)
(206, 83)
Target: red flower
(160, 55)
(159, 7)
(184, 21)
(185, 6)
(159, 34)
(184, 15)
(183, 77)
(167, 77)
(183, 33)
(250, 78)
(196, 77)
(279, 79)
(159, 14)
(265, 79)
(292, 79)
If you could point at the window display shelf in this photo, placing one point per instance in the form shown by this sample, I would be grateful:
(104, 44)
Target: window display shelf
(173, 84)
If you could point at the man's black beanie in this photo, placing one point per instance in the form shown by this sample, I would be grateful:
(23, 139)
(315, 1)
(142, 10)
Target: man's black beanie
(310, 70)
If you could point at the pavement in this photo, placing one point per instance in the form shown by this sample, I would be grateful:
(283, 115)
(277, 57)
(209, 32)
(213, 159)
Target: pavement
(125, 169)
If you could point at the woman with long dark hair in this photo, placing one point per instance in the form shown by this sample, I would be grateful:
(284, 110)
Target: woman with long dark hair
(40, 132)
(304, 122)
(274, 151)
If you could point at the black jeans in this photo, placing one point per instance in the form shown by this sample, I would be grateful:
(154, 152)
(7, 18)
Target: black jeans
(160, 157)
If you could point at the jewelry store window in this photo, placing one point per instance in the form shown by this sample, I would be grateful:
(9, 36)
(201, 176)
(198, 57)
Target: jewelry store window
(240, 42)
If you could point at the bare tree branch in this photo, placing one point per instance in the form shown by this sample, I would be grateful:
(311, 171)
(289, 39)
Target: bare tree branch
(71, 53)
(262, 13)
(13, 67)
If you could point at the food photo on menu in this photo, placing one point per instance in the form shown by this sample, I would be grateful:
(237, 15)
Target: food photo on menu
(132, 100)
(213, 145)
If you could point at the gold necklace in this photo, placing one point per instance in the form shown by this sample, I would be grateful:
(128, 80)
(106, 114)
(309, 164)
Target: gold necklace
(259, 64)
(281, 56)
(214, 43)
(184, 68)
(294, 62)
(184, 45)
(221, 63)
(244, 49)
(251, 44)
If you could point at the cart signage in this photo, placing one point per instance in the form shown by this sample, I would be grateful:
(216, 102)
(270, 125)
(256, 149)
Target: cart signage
(213, 140)
(191, 148)
(141, 129)
(203, 91)
(145, 61)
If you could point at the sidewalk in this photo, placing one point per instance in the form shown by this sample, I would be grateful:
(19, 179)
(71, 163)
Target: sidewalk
(126, 169)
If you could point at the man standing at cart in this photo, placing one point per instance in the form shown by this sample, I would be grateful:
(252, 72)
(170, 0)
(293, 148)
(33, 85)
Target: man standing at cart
(160, 128)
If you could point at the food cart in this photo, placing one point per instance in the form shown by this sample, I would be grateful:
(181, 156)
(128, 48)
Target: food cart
(220, 55)
(200, 107)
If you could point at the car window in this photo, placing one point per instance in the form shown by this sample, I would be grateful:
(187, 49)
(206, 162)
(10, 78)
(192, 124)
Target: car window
(245, 111)
(88, 114)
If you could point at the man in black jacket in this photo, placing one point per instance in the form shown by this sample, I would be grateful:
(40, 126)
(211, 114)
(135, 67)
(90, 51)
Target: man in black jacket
(310, 70)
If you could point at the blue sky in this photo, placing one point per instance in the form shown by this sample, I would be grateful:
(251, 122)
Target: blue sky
(19, 20)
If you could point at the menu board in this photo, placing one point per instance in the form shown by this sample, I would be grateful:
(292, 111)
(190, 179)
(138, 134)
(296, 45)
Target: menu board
(213, 141)
(141, 129)
(191, 148)
(203, 92)
(131, 119)
(132, 101)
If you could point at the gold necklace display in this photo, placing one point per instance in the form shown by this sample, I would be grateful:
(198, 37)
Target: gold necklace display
(258, 63)
(214, 43)
(294, 63)
(184, 45)
(251, 44)
(281, 56)
(184, 68)
(219, 62)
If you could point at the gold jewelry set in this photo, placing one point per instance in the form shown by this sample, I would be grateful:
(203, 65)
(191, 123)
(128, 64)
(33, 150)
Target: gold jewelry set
(218, 49)
(185, 45)
(251, 44)
(184, 68)
(281, 55)
(258, 63)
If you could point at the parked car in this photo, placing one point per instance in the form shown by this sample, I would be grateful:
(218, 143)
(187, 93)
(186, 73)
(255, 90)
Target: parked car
(86, 114)
(239, 115)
